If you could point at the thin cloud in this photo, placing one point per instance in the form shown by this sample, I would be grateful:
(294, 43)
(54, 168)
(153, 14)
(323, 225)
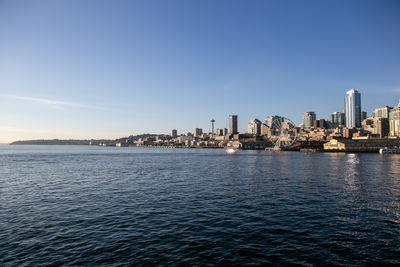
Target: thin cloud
(56, 103)
(13, 129)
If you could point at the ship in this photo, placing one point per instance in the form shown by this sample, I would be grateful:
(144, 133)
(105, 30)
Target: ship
(389, 150)
(229, 148)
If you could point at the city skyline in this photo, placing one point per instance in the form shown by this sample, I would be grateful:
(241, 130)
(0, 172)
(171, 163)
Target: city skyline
(153, 67)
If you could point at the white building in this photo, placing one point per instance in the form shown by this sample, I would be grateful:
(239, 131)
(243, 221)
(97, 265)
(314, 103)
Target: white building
(254, 127)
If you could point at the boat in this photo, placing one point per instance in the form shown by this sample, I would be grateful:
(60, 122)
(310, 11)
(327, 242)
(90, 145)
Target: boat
(389, 150)
(229, 148)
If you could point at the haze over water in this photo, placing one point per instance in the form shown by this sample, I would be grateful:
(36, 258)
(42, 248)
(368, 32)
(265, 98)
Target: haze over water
(93, 205)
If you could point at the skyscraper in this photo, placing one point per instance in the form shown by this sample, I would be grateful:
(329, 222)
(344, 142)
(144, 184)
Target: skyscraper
(308, 119)
(338, 119)
(353, 108)
(197, 132)
(233, 124)
(174, 133)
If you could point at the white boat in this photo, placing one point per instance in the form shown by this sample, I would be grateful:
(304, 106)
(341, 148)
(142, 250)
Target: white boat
(389, 150)
(229, 148)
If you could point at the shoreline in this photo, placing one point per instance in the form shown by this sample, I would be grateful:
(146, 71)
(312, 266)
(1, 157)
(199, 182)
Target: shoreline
(209, 147)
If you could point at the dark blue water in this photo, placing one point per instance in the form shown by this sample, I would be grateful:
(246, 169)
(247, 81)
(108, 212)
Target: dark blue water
(117, 206)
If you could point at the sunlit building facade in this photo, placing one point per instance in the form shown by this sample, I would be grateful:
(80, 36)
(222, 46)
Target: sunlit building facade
(382, 112)
(394, 121)
(254, 127)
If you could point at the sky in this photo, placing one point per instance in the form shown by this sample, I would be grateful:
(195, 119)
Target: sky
(108, 69)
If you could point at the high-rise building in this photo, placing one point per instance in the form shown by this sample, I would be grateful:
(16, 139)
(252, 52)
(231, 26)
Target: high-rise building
(308, 119)
(382, 112)
(363, 115)
(394, 121)
(332, 118)
(337, 119)
(197, 132)
(233, 124)
(381, 121)
(254, 127)
(381, 127)
(174, 133)
(320, 123)
(224, 131)
(353, 108)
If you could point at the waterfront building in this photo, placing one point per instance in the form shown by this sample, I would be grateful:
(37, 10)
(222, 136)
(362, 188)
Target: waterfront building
(265, 130)
(353, 108)
(382, 112)
(308, 119)
(360, 145)
(394, 121)
(174, 133)
(197, 132)
(184, 139)
(348, 132)
(233, 124)
(253, 144)
(254, 127)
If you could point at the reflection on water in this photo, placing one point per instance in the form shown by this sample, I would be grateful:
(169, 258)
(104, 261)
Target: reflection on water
(351, 171)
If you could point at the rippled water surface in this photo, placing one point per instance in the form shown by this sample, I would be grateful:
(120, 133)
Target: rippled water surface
(143, 206)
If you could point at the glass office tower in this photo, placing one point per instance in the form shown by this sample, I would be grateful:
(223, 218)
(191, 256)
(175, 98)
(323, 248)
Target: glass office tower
(353, 108)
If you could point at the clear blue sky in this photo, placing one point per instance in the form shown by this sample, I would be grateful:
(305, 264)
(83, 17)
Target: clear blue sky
(83, 69)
